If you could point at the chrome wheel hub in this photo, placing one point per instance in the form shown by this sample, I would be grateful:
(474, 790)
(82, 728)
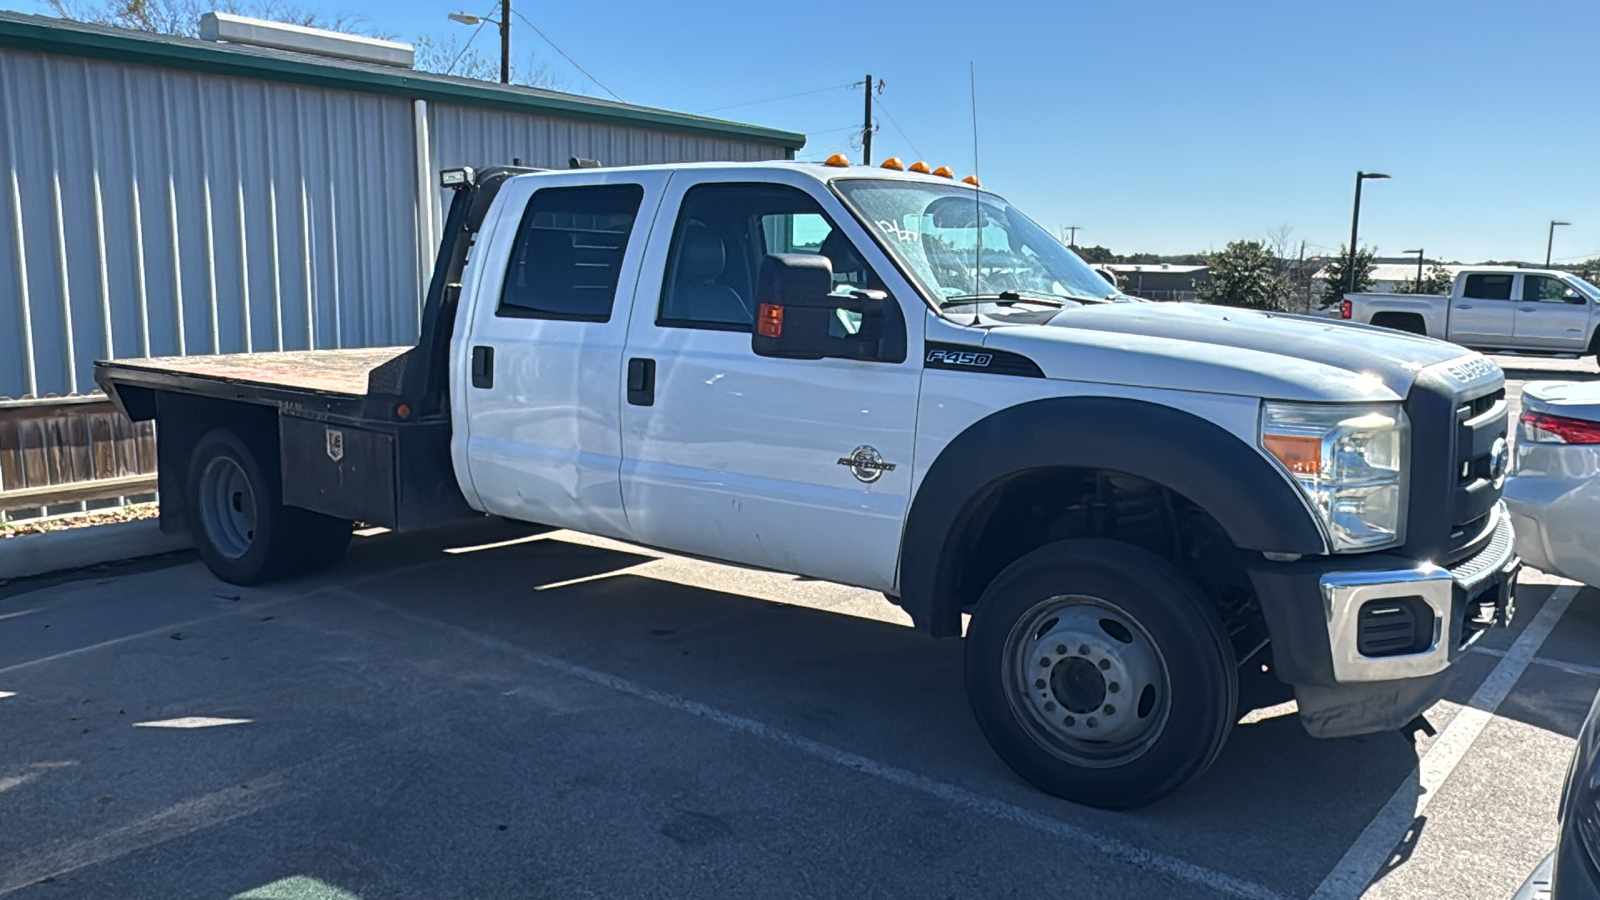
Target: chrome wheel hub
(1087, 681)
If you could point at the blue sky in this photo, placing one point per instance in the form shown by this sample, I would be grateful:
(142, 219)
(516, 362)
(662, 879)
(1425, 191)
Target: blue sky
(1156, 125)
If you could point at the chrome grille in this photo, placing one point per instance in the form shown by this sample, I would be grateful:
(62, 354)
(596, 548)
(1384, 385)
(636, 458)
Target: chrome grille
(1484, 561)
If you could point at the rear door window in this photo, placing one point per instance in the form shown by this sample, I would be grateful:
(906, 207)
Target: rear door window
(1488, 287)
(568, 253)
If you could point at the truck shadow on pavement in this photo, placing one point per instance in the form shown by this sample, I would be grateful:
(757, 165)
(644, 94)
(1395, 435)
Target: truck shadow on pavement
(883, 691)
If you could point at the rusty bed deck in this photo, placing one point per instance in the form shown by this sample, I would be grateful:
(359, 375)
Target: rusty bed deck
(320, 371)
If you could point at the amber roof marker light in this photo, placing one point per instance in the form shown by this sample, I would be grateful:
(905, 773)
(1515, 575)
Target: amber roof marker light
(838, 161)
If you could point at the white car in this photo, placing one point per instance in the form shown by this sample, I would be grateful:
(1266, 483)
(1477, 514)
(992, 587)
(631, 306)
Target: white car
(1554, 487)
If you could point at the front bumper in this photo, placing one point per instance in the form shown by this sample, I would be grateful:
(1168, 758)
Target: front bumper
(1463, 601)
(1346, 682)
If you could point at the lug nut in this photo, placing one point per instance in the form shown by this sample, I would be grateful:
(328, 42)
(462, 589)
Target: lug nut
(1044, 663)
(1092, 722)
(1049, 706)
(1061, 649)
(1105, 664)
(1083, 649)
(1039, 684)
(1113, 687)
(1109, 710)
(1069, 721)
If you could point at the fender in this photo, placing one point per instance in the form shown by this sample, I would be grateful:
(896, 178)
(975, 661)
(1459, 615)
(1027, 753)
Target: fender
(1253, 502)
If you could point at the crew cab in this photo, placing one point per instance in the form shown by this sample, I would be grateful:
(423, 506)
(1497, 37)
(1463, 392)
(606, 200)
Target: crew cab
(1496, 308)
(900, 382)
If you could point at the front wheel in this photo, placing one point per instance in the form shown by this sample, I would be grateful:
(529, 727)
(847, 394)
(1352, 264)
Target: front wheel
(1099, 672)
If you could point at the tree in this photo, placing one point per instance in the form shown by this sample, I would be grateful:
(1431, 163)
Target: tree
(448, 56)
(1246, 274)
(1096, 254)
(1336, 275)
(1588, 270)
(1437, 280)
(182, 17)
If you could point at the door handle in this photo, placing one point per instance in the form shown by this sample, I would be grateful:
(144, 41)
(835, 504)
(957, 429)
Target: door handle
(642, 381)
(482, 367)
(1463, 306)
(1527, 308)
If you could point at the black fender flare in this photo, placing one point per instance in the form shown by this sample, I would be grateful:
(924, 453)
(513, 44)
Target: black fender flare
(1249, 497)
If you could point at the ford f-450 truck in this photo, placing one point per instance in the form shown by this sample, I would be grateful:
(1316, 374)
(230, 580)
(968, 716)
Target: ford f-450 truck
(900, 382)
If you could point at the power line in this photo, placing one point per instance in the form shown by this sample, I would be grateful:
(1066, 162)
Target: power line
(565, 56)
(890, 117)
(784, 97)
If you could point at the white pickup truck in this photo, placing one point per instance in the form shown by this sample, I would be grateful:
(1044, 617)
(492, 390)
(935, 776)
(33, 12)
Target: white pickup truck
(1527, 310)
(899, 382)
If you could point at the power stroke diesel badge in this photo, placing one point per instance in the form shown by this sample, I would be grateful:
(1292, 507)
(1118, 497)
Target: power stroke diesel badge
(866, 464)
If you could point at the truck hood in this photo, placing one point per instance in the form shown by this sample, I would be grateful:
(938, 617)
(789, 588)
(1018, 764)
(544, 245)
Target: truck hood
(1216, 349)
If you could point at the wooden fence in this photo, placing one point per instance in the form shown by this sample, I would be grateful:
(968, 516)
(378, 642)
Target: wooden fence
(71, 450)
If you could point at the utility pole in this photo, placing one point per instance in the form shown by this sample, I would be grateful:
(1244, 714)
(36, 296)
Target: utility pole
(866, 123)
(505, 41)
(1072, 238)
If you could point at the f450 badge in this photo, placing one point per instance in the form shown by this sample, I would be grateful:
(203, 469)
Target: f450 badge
(960, 358)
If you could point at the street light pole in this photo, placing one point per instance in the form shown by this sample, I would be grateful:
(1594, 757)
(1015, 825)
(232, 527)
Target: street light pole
(1419, 268)
(505, 36)
(1355, 222)
(1550, 241)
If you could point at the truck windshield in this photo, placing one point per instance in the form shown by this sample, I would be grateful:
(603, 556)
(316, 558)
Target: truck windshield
(966, 245)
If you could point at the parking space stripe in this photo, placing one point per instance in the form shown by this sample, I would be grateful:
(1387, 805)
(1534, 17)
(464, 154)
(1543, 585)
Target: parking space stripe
(1137, 857)
(1571, 668)
(1355, 871)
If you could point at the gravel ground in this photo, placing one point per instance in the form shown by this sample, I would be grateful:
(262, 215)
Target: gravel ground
(79, 520)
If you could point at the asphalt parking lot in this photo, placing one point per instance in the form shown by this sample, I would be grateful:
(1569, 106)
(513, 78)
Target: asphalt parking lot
(498, 711)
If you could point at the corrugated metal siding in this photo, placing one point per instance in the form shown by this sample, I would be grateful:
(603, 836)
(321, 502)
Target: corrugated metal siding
(471, 136)
(147, 211)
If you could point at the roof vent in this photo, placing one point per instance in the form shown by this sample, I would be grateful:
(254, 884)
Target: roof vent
(217, 26)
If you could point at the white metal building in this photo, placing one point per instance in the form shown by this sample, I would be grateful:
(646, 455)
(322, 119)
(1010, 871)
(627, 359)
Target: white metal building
(164, 195)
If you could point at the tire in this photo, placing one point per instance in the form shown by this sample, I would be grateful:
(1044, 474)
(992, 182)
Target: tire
(1143, 622)
(242, 530)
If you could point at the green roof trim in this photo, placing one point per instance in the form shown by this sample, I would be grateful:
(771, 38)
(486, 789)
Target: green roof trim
(44, 34)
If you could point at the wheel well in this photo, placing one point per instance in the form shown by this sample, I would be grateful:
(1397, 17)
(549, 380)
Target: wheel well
(1594, 342)
(180, 421)
(1029, 509)
(1401, 321)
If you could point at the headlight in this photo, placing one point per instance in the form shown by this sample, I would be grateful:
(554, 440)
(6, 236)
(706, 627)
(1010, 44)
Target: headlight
(1351, 463)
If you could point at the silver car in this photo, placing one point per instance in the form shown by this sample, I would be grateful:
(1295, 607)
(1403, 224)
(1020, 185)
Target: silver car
(1554, 487)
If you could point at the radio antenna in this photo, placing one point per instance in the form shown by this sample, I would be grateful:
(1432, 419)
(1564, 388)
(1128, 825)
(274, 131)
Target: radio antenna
(977, 202)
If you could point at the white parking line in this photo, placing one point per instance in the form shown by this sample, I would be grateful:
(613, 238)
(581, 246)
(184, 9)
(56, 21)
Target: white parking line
(1349, 879)
(1137, 857)
(1571, 668)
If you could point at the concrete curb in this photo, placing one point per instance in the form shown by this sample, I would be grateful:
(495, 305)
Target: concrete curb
(74, 548)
